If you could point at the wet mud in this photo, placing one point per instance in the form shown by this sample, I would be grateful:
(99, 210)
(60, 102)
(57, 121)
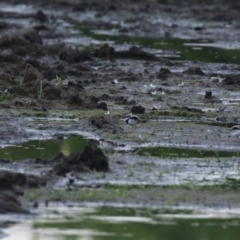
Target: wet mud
(79, 68)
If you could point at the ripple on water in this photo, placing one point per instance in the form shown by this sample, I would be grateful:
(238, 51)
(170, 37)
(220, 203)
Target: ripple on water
(128, 223)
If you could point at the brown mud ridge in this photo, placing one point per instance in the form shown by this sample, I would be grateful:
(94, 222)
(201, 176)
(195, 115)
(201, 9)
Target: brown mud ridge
(19, 59)
(41, 77)
(12, 184)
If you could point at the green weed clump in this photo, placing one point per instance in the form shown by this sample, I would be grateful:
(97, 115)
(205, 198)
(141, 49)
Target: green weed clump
(40, 93)
(58, 81)
(5, 95)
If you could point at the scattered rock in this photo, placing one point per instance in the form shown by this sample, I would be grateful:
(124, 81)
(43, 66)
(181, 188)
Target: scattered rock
(130, 77)
(83, 67)
(124, 100)
(194, 71)
(208, 95)
(7, 55)
(196, 110)
(41, 16)
(10, 40)
(74, 56)
(102, 105)
(10, 179)
(76, 89)
(105, 97)
(5, 79)
(105, 51)
(231, 80)
(26, 38)
(199, 28)
(4, 25)
(4, 160)
(50, 72)
(32, 75)
(137, 53)
(76, 100)
(58, 137)
(33, 78)
(210, 98)
(106, 123)
(95, 99)
(220, 17)
(52, 93)
(138, 110)
(87, 159)
(32, 36)
(94, 159)
(9, 203)
(163, 73)
(34, 62)
(100, 122)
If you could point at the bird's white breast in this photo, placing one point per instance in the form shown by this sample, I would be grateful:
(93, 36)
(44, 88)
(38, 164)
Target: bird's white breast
(235, 133)
(132, 121)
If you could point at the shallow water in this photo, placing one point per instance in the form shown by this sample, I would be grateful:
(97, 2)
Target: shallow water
(45, 149)
(166, 165)
(153, 166)
(173, 152)
(127, 223)
(174, 48)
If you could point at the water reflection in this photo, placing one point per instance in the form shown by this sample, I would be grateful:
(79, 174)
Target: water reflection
(45, 149)
(172, 152)
(124, 223)
(192, 49)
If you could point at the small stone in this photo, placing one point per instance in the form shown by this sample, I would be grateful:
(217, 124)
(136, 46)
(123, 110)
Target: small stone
(208, 95)
(163, 73)
(138, 110)
(41, 16)
(194, 71)
(102, 105)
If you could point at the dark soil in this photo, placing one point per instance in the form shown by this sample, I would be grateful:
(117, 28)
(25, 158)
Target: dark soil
(86, 160)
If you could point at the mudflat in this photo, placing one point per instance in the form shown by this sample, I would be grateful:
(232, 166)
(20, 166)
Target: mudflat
(71, 71)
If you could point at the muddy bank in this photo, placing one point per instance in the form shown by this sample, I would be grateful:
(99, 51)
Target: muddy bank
(76, 67)
(12, 189)
(14, 184)
(41, 76)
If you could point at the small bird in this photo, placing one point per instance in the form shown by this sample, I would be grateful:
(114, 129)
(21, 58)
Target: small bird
(152, 86)
(132, 119)
(107, 144)
(115, 81)
(149, 88)
(181, 84)
(71, 178)
(235, 131)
